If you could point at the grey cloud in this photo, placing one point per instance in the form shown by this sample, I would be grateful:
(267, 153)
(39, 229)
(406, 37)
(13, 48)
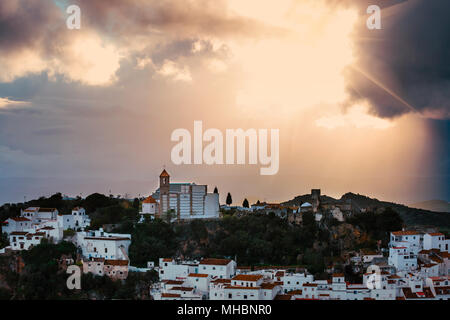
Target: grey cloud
(29, 24)
(182, 18)
(408, 57)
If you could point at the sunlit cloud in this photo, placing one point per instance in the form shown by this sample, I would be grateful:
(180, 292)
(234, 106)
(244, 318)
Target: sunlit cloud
(302, 69)
(6, 103)
(174, 71)
(91, 60)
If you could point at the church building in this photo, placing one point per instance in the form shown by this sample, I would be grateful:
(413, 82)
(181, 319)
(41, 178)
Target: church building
(183, 200)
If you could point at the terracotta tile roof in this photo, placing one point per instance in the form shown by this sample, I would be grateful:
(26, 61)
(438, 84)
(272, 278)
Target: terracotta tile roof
(149, 200)
(435, 234)
(336, 275)
(19, 219)
(268, 286)
(182, 289)
(248, 277)
(18, 233)
(38, 234)
(407, 292)
(167, 260)
(164, 174)
(310, 284)
(117, 262)
(283, 297)
(198, 275)
(173, 282)
(436, 259)
(405, 233)
(293, 292)
(222, 281)
(98, 259)
(170, 295)
(216, 262)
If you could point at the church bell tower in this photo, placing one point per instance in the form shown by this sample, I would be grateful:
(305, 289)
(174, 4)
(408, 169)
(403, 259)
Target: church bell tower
(164, 190)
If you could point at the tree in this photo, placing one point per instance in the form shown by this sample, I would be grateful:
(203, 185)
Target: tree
(245, 203)
(216, 190)
(229, 199)
(169, 215)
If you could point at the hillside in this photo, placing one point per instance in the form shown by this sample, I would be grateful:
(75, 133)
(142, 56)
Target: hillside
(432, 205)
(410, 216)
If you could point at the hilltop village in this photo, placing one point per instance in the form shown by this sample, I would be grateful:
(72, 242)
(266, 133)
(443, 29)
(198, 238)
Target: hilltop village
(406, 265)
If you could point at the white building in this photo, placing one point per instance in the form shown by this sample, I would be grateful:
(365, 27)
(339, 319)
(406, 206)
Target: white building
(16, 224)
(200, 282)
(100, 244)
(436, 241)
(38, 214)
(149, 208)
(77, 220)
(413, 240)
(220, 268)
(402, 259)
(169, 269)
(21, 240)
(184, 200)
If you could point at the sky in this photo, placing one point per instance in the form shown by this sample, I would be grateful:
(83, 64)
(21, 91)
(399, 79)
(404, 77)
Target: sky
(93, 110)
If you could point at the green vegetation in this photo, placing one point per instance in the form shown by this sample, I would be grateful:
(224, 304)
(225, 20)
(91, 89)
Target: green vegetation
(259, 239)
(229, 200)
(4, 240)
(44, 278)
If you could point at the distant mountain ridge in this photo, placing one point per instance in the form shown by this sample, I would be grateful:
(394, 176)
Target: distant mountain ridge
(410, 216)
(432, 205)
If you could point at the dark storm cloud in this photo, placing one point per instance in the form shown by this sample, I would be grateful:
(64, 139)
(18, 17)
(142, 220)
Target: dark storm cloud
(405, 66)
(203, 17)
(29, 24)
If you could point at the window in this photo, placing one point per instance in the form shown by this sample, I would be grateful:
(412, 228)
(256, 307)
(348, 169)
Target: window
(245, 296)
(230, 296)
(106, 250)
